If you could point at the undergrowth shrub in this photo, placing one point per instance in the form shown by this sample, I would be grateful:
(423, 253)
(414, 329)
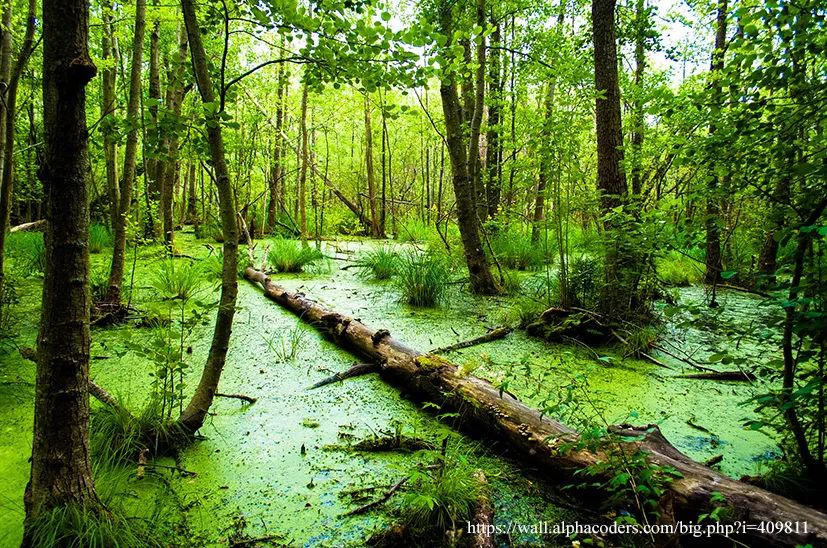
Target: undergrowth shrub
(423, 278)
(442, 496)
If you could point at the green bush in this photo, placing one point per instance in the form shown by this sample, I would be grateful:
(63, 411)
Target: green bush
(423, 278)
(291, 255)
(100, 238)
(381, 263)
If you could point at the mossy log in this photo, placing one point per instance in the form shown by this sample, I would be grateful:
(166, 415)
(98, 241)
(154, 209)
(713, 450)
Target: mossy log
(550, 446)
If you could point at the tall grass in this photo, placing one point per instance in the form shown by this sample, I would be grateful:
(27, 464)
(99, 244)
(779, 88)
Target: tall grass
(679, 270)
(28, 251)
(423, 278)
(514, 249)
(291, 255)
(100, 238)
(381, 263)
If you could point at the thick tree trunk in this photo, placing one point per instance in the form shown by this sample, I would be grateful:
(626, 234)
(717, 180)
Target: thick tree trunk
(196, 411)
(539, 441)
(482, 282)
(7, 174)
(618, 294)
(133, 112)
(61, 471)
(714, 258)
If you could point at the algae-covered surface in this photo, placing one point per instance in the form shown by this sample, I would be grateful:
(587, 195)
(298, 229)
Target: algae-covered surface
(281, 468)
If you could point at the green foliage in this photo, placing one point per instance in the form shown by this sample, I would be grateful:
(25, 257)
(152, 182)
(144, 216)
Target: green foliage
(442, 497)
(210, 230)
(100, 238)
(676, 269)
(98, 283)
(116, 436)
(514, 249)
(423, 278)
(381, 263)
(291, 255)
(585, 282)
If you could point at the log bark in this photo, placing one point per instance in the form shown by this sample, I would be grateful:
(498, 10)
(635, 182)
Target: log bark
(35, 226)
(538, 440)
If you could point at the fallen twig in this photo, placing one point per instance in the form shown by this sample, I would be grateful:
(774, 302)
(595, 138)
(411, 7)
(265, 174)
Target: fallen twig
(493, 335)
(248, 399)
(377, 502)
(354, 371)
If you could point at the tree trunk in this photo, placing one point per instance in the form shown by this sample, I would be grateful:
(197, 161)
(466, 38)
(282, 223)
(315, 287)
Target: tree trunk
(638, 122)
(168, 174)
(493, 153)
(196, 411)
(714, 259)
(474, 160)
(133, 112)
(7, 173)
(611, 180)
(277, 168)
(482, 282)
(108, 107)
(374, 215)
(301, 198)
(539, 441)
(545, 168)
(61, 472)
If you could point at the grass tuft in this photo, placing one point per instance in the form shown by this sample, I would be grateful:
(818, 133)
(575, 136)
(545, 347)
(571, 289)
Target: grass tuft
(423, 278)
(28, 251)
(178, 280)
(381, 263)
(677, 270)
(291, 255)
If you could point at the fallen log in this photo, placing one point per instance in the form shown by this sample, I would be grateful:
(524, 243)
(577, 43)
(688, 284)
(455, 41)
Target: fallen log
(721, 376)
(482, 535)
(550, 446)
(493, 335)
(35, 226)
(353, 371)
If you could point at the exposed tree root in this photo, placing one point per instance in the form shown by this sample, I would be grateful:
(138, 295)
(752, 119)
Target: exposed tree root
(242, 397)
(721, 376)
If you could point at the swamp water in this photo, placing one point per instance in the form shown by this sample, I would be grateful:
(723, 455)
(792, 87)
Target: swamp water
(280, 468)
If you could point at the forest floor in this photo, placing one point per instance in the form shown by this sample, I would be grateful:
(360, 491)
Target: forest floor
(284, 467)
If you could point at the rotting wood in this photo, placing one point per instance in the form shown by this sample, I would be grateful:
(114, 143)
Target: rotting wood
(493, 335)
(550, 446)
